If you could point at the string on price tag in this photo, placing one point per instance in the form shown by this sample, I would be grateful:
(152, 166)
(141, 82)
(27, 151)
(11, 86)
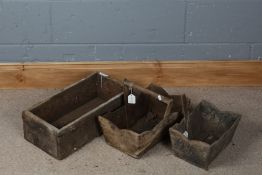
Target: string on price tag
(101, 78)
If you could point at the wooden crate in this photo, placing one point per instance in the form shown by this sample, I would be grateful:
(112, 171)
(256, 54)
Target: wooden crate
(135, 128)
(65, 122)
(203, 134)
(181, 103)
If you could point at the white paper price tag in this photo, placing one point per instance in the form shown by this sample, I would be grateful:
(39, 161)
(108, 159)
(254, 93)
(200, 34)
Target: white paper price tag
(131, 99)
(185, 134)
(159, 97)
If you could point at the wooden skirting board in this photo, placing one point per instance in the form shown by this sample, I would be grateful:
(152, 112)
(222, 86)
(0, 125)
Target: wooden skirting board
(165, 73)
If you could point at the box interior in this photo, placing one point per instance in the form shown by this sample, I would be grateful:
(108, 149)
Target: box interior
(77, 100)
(206, 123)
(144, 115)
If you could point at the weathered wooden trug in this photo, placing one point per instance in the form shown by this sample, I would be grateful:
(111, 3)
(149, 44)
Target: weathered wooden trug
(203, 134)
(135, 128)
(181, 103)
(68, 120)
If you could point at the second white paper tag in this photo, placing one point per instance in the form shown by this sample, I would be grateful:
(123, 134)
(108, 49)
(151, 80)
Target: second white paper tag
(131, 99)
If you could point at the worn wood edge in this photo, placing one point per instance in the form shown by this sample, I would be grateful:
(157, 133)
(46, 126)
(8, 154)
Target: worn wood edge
(164, 73)
(28, 115)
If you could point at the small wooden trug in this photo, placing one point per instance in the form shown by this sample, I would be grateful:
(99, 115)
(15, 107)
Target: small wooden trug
(68, 120)
(203, 134)
(135, 128)
(181, 103)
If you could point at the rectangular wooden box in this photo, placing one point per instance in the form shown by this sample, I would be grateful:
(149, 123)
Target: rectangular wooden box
(135, 128)
(202, 135)
(65, 122)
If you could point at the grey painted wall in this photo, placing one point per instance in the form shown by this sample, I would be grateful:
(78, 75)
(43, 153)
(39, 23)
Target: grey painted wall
(76, 30)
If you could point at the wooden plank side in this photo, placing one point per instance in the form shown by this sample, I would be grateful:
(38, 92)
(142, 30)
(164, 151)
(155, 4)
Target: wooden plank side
(165, 73)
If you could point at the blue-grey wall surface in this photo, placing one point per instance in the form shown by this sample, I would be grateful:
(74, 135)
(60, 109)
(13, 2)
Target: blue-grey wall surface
(87, 30)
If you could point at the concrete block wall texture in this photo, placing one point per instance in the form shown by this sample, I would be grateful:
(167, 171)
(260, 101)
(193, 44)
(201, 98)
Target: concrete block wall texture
(87, 30)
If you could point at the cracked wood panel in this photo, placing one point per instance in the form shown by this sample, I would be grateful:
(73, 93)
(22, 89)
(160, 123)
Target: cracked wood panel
(164, 73)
